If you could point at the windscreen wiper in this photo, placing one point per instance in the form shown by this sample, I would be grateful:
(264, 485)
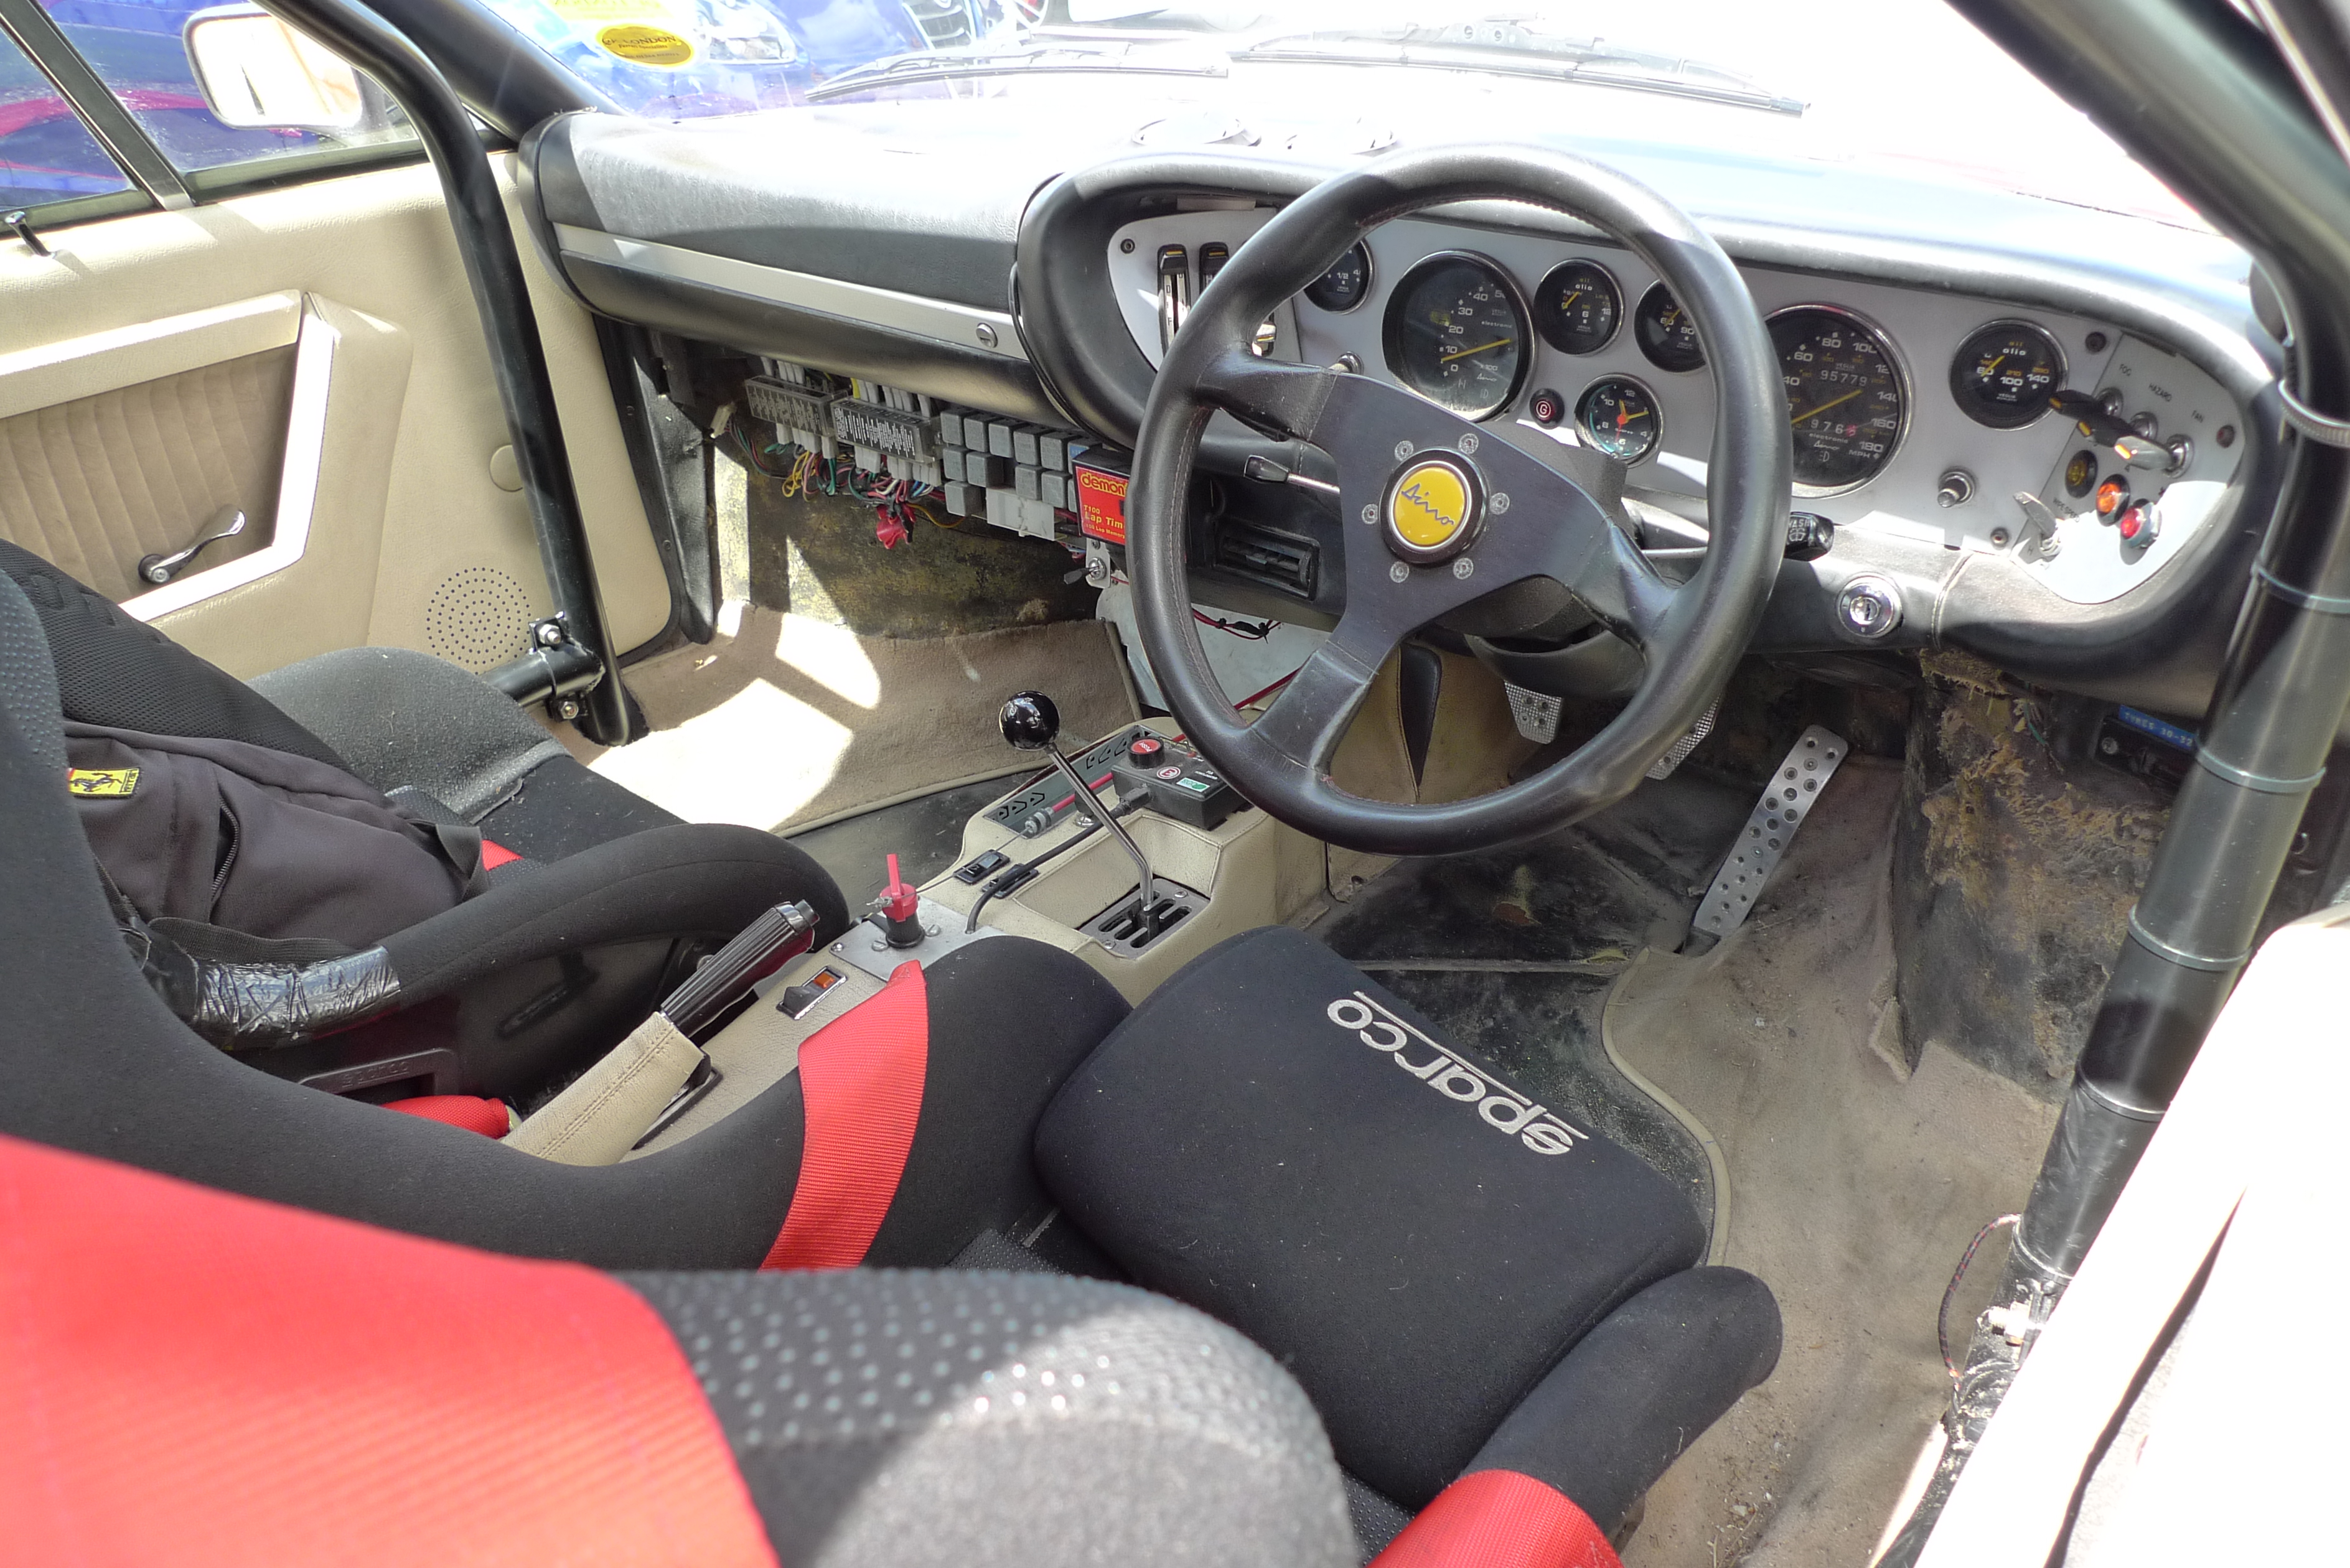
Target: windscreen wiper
(963, 65)
(1557, 62)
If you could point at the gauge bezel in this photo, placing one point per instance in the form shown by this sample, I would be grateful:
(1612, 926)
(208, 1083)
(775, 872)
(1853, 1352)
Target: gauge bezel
(1541, 290)
(1901, 376)
(1959, 377)
(1370, 284)
(1653, 289)
(1526, 336)
(1656, 406)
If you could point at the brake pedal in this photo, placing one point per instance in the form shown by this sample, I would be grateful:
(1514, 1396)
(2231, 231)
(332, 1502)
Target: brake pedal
(1787, 801)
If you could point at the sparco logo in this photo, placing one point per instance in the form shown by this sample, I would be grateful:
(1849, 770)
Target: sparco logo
(1502, 1108)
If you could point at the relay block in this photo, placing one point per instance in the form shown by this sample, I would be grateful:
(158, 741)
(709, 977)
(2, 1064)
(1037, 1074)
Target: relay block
(1014, 474)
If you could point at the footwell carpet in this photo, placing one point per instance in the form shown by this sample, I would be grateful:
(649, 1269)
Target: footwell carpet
(1850, 1190)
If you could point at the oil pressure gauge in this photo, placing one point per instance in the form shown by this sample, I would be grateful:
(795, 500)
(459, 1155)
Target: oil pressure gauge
(1618, 417)
(2001, 376)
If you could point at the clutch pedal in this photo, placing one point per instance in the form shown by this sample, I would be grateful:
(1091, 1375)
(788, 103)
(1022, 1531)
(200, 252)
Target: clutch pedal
(1786, 802)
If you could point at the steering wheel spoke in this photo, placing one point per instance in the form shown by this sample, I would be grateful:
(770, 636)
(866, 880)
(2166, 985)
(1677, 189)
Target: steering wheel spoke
(1308, 719)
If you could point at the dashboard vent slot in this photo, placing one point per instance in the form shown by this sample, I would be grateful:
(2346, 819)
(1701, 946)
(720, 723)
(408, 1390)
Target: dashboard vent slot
(1290, 561)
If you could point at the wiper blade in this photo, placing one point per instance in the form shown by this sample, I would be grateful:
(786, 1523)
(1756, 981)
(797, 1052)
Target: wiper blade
(1594, 67)
(965, 64)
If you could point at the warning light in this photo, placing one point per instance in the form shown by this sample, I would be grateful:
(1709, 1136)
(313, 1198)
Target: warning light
(2112, 496)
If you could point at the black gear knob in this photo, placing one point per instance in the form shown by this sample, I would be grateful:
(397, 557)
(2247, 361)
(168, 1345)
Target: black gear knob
(1030, 720)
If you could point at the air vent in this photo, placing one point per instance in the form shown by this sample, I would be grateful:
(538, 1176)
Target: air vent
(1290, 561)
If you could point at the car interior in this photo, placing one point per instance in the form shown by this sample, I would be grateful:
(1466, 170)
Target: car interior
(723, 815)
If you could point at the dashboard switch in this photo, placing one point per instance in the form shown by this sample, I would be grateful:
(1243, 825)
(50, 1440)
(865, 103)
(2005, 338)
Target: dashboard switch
(2139, 525)
(1957, 488)
(1546, 407)
(1869, 606)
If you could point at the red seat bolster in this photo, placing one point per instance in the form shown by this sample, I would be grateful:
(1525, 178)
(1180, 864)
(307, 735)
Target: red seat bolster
(1500, 1519)
(191, 1378)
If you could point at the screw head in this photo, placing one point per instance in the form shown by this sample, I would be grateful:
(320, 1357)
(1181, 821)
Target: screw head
(1469, 444)
(1398, 572)
(1402, 450)
(1500, 504)
(1462, 566)
(986, 335)
(550, 633)
(1126, 247)
(1371, 513)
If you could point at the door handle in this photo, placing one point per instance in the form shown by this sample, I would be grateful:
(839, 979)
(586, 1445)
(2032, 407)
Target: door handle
(226, 524)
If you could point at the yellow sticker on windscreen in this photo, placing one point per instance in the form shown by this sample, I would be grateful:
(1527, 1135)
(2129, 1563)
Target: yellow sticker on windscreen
(646, 45)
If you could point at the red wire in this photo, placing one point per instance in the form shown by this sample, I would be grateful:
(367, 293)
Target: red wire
(1268, 692)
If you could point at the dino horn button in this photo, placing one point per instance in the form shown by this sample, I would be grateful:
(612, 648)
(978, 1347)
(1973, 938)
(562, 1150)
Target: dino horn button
(1433, 507)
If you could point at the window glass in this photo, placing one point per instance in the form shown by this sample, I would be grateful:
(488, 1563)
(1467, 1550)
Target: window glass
(679, 59)
(46, 154)
(136, 48)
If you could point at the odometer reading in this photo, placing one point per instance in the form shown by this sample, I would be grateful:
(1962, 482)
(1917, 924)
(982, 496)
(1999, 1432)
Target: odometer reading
(2002, 375)
(1457, 335)
(1578, 307)
(1344, 286)
(1666, 333)
(1846, 407)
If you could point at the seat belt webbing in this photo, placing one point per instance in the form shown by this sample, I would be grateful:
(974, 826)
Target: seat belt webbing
(861, 1080)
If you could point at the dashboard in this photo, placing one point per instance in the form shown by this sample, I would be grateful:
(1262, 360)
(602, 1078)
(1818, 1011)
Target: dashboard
(1913, 414)
(998, 259)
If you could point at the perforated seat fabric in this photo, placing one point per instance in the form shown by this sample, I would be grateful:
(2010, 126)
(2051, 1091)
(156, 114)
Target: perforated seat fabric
(1276, 1140)
(889, 1420)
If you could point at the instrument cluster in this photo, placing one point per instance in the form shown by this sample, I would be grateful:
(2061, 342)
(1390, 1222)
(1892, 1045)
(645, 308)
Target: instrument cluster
(1919, 412)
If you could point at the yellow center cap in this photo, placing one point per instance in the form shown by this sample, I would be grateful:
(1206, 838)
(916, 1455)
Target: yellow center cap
(1432, 507)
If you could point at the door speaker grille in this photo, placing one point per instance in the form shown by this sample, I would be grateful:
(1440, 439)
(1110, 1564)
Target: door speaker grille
(479, 618)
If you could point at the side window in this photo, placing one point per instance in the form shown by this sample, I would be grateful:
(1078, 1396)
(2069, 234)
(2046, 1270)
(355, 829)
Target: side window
(141, 50)
(49, 162)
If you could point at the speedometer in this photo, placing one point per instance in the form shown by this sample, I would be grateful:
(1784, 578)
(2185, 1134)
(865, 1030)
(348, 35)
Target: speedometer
(1846, 404)
(1456, 334)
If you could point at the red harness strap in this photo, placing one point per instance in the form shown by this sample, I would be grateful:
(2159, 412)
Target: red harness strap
(861, 1080)
(1500, 1519)
(471, 1112)
(189, 1379)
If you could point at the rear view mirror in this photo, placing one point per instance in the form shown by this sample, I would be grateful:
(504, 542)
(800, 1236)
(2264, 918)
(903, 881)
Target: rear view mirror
(257, 71)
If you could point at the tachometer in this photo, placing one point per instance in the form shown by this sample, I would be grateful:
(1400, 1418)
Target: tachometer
(1344, 286)
(1578, 308)
(2003, 375)
(1845, 401)
(1456, 334)
(1666, 333)
(1618, 416)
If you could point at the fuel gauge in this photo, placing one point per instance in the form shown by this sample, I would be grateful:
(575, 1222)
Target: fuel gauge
(1618, 417)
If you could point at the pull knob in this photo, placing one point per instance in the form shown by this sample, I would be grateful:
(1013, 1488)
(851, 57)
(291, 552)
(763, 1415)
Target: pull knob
(1029, 721)
(226, 524)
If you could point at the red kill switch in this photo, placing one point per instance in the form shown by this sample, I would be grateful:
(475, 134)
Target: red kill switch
(901, 925)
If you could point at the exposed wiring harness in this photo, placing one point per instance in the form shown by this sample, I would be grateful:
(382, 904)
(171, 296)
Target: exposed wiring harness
(896, 503)
(1942, 1318)
(1247, 631)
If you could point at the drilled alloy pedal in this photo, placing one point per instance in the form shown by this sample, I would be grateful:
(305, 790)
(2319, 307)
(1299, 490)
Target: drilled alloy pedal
(1786, 802)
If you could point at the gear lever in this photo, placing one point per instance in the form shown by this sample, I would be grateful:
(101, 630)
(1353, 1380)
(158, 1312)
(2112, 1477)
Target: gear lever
(1031, 722)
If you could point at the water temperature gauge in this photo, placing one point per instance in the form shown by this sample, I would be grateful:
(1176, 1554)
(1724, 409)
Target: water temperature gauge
(1620, 417)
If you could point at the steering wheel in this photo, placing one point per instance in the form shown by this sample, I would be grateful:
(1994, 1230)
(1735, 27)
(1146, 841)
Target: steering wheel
(1439, 514)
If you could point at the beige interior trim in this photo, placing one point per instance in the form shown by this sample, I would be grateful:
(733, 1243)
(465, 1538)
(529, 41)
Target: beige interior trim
(74, 367)
(298, 484)
(608, 1109)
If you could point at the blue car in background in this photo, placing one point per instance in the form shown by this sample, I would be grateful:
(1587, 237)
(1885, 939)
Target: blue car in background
(744, 55)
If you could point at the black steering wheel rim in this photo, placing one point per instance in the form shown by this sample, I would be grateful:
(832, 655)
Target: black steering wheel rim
(1691, 635)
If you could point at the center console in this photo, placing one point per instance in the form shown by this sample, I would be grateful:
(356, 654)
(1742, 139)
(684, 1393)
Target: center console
(1132, 853)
